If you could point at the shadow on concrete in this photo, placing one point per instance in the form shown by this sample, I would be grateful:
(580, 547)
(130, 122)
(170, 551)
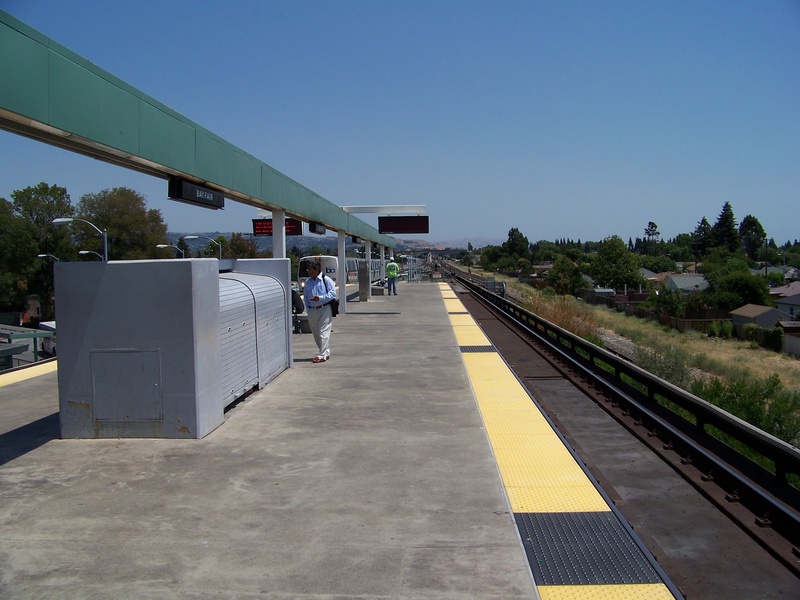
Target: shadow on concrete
(22, 440)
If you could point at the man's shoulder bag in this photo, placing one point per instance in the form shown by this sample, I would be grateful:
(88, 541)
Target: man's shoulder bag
(335, 302)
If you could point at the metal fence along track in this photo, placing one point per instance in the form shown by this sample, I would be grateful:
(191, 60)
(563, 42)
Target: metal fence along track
(711, 448)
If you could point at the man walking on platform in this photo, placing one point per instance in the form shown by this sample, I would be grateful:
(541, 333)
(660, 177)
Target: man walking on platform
(318, 294)
(391, 277)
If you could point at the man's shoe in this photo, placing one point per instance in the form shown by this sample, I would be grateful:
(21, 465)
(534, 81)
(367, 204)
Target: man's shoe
(319, 359)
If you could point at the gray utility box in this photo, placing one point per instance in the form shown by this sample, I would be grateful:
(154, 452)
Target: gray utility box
(160, 348)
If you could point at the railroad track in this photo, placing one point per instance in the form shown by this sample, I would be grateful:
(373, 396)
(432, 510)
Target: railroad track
(754, 501)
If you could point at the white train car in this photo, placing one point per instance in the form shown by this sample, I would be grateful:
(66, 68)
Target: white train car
(49, 343)
(330, 267)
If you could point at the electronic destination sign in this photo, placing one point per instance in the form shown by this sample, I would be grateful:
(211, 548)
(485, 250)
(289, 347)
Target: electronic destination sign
(264, 227)
(191, 193)
(417, 224)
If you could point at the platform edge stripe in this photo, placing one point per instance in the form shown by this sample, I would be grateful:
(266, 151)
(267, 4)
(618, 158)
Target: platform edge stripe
(553, 499)
(630, 591)
(488, 405)
(28, 373)
(526, 462)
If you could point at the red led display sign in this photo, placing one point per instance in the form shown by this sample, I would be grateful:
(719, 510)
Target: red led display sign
(294, 227)
(264, 227)
(417, 224)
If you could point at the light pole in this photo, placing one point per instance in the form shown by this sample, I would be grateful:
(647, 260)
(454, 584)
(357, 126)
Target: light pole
(194, 237)
(55, 258)
(183, 255)
(65, 220)
(97, 254)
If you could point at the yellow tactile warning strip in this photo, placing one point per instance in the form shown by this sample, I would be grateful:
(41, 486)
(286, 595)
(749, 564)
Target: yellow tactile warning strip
(576, 546)
(651, 591)
(28, 373)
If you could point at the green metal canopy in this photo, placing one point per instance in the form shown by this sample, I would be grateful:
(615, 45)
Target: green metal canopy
(51, 94)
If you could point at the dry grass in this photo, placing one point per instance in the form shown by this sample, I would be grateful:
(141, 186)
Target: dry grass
(565, 311)
(726, 359)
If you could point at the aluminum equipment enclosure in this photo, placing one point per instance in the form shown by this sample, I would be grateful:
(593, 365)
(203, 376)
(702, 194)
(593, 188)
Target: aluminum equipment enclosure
(160, 348)
(253, 334)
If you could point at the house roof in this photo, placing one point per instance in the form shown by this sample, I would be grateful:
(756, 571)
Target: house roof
(661, 277)
(688, 282)
(784, 291)
(752, 310)
(769, 270)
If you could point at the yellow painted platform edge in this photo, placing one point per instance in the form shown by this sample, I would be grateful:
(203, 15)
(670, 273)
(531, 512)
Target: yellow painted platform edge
(629, 591)
(28, 373)
(654, 591)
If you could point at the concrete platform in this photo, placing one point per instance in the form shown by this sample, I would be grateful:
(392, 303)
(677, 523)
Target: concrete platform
(368, 476)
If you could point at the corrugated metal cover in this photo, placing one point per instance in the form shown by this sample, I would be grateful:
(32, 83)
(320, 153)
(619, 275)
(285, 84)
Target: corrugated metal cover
(239, 369)
(254, 335)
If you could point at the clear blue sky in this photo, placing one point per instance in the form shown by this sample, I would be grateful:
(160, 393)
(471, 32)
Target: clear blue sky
(565, 119)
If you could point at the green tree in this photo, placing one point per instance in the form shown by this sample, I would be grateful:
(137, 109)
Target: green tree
(490, 256)
(466, 260)
(40, 205)
(651, 234)
(317, 250)
(725, 233)
(651, 231)
(517, 244)
(565, 277)
(17, 257)
(679, 248)
(545, 251)
(731, 284)
(764, 403)
(241, 247)
(752, 235)
(739, 288)
(658, 264)
(133, 231)
(187, 252)
(702, 238)
(212, 250)
(525, 268)
(615, 266)
(667, 302)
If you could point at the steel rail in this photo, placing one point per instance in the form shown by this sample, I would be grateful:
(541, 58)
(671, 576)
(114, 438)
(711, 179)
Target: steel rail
(721, 473)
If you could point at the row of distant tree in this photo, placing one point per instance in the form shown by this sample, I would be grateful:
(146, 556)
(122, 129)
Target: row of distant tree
(724, 252)
(30, 241)
(133, 232)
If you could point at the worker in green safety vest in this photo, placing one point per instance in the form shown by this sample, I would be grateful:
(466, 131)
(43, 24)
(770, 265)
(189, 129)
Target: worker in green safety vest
(391, 277)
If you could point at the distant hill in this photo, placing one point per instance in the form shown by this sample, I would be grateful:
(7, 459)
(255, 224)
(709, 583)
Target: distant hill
(453, 244)
(306, 242)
